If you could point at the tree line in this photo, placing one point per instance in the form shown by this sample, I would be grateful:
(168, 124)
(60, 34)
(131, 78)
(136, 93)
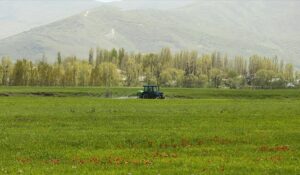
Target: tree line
(117, 67)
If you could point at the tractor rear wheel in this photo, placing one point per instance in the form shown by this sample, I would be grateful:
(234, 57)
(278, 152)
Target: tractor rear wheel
(160, 97)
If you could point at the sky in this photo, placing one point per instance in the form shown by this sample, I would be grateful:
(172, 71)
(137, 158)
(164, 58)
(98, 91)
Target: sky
(107, 0)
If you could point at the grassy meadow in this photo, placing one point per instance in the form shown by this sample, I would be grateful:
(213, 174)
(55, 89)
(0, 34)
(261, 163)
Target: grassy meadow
(193, 131)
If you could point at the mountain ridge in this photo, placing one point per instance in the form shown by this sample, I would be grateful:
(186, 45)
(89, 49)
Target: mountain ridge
(19, 16)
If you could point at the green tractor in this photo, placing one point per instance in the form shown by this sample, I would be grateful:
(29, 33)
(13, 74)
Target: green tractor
(150, 92)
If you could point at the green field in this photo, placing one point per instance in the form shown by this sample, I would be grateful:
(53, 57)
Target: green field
(193, 131)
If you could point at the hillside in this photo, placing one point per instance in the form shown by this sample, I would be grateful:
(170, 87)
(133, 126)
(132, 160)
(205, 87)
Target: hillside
(18, 16)
(237, 28)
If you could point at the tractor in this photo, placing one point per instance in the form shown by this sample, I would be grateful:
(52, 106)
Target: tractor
(150, 92)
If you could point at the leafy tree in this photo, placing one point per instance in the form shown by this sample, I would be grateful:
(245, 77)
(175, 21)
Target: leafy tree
(91, 56)
(71, 71)
(263, 78)
(59, 59)
(289, 72)
(7, 69)
(166, 57)
(278, 81)
(216, 77)
(172, 77)
(190, 81)
(58, 75)
(108, 75)
(22, 73)
(84, 73)
(132, 72)
(166, 68)
(149, 77)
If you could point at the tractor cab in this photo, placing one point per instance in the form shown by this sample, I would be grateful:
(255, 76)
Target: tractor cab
(150, 92)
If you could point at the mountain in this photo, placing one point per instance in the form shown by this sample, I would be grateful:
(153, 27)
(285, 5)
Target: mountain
(17, 16)
(233, 27)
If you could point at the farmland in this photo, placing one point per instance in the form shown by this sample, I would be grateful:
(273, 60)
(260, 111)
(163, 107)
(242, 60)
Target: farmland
(193, 131)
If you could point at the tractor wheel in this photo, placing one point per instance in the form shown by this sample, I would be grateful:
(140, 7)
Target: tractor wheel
(160, 97)
(145, 96)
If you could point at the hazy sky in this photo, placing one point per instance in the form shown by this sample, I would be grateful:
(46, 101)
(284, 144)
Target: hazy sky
(107, 0)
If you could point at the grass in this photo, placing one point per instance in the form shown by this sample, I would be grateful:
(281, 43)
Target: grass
(204, 132)
(182, 93)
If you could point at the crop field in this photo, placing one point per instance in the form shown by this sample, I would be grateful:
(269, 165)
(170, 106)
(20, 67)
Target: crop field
(193, 131)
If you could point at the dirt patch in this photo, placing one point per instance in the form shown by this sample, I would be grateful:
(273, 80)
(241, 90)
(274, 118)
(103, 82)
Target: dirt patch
(116, 161)
(282, 148)
(164, 155)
